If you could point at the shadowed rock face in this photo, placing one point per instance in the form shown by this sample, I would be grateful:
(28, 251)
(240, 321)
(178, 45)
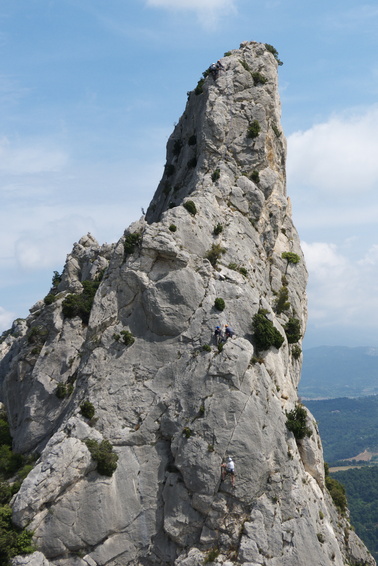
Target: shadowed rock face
(171, 409)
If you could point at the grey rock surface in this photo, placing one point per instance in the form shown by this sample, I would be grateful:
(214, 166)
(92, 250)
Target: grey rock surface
(172, 409)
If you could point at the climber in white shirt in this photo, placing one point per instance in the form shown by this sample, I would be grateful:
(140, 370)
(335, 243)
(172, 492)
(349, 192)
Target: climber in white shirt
(229, 468)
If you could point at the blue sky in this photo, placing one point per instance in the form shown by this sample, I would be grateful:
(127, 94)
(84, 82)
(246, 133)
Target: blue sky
(90, 91)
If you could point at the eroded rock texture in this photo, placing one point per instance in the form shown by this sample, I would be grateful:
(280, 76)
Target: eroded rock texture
(172, 409)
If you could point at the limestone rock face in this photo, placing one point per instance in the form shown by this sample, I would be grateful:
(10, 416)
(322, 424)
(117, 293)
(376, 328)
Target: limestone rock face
(172, 403)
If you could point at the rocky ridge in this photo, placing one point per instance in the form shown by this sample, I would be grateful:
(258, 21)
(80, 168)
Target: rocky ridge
(170, 402)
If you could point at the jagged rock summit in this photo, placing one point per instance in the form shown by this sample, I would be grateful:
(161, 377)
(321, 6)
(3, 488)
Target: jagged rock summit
(217, 246)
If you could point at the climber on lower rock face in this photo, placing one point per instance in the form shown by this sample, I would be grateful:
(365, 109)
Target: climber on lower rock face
(219, 336)
(228, 331)
(229, 468)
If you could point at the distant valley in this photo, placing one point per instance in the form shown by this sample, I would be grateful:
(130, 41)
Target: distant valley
(338, 371)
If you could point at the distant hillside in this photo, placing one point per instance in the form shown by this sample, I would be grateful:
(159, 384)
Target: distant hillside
(361, 487)
(337, 371)
(347, 427)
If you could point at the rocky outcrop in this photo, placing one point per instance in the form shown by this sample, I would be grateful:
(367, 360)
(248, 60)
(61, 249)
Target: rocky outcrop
(170, 401)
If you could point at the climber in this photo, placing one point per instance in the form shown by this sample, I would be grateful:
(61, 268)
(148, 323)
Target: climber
(213, 70)
(219, 66)
(229, 468)
(219, 336)
(228, 331)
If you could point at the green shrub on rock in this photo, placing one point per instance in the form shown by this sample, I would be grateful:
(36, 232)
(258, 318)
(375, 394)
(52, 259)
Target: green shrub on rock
(282, 303)
(293, 330)
(215, 175)
(255, 176)
(80, 304)
(219, 304)
(131, 241)
(190, 207)
(127, 337)
(297, 422)
(13, 541)
(87, 409)
(103, 454)
(291, 257)
(266, 334)
(214, 254)
(258, 78)
(274, 52)
(296, 352)
(218, 229)
(253, 130)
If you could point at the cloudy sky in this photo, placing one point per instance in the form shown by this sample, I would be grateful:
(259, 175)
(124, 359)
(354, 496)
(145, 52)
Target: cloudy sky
(90, 91)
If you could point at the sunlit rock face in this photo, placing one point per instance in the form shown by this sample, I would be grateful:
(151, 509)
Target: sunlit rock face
(218, 227)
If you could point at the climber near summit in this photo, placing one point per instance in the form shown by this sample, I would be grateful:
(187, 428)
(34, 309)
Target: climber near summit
(228, 468)
(215, 68)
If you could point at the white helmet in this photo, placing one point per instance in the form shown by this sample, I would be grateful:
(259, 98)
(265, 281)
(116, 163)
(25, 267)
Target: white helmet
(229, 459)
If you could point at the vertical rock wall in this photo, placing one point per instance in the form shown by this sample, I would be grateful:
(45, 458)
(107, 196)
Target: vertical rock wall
(171, 403)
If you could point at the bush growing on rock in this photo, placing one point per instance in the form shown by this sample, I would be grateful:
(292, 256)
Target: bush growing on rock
(266, 334)
(214, 254)
(255, 176)
(87, 409)
(282, 303)
(131, 241)
(103, 454)
(187, 432)
(13, 541)
(244, 64)
(199, 88)
(206, 348)
(51, 296)
(5, 436)
(296, 352)
(219, 304)
(215, 175)
(192, 140)
(297, 422)
(258, 78)
(190, 207)
(274, 52)
(336, 490)
(80, 304)
(173, 228)
(293, 330)
(127, 337)
(37, 334)
(291, 257)
(63, 390)
(253, 130)
(218, 229)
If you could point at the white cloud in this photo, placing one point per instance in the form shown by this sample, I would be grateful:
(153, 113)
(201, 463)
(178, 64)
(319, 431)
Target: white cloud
(30, 158)
(342, 292)
(41, 247)
(371, 257)
(6, 319)
(208, 11)
(336, 156)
